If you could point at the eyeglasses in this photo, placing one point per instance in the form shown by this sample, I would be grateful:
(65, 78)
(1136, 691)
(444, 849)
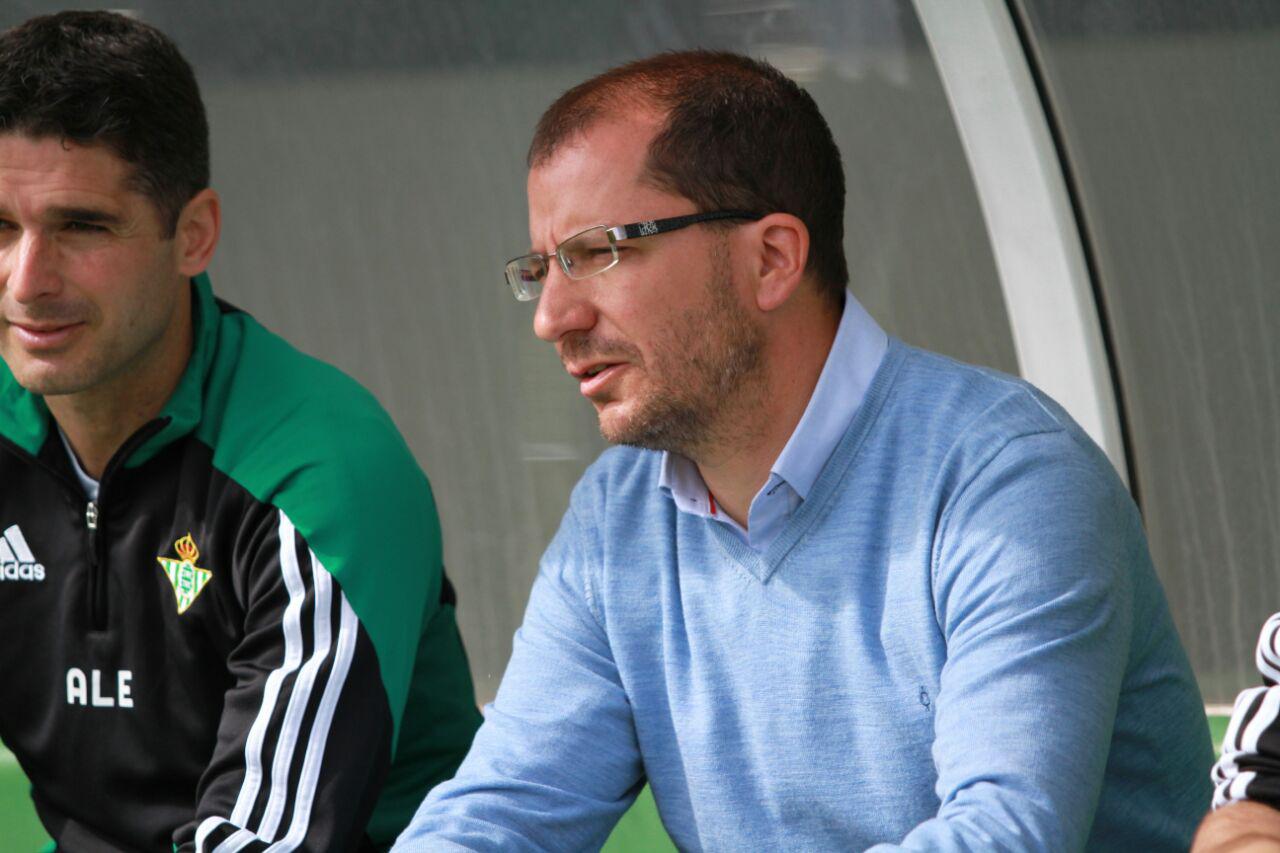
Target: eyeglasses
(595, 250)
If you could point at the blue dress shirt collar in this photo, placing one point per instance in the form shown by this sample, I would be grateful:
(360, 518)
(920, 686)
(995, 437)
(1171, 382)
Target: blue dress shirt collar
(856, 353)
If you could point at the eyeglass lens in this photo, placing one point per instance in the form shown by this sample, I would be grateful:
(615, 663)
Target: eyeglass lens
(525, 275)
(581, 256)
(587, 253)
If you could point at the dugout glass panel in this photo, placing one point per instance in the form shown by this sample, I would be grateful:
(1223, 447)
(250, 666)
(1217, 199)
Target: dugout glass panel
(1168, 116)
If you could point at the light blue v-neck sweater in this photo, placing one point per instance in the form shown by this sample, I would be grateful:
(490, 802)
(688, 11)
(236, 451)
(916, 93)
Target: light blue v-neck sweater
(958, 642)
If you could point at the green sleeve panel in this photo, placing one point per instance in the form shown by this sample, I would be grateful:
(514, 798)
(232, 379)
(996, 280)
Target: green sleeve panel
(440, 722)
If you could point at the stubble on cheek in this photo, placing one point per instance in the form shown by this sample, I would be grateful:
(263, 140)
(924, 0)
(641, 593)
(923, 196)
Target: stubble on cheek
(702, 382)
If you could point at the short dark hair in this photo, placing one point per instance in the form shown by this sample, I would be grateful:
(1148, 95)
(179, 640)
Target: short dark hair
(100, 78)
(738, 135)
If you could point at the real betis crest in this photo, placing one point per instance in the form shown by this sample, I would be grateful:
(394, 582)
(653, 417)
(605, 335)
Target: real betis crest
(187, 578)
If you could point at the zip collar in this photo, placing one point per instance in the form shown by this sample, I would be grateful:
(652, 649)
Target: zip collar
(25, 419)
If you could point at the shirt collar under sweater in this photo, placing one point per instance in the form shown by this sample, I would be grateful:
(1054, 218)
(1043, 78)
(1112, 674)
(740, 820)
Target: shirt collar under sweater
(856, 353)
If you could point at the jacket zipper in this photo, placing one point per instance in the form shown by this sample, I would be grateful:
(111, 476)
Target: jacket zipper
(92, 519)
(91, 522)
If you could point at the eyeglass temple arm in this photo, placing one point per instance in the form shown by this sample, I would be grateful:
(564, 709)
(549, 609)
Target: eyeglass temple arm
(660, 226)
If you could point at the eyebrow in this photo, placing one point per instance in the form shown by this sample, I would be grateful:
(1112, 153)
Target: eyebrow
(90, 215)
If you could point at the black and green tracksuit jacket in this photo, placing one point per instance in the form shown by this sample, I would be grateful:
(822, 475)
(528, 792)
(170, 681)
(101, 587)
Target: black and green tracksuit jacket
(248, 639)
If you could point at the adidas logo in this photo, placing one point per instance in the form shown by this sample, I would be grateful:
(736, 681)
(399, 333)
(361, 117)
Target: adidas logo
(17, 563)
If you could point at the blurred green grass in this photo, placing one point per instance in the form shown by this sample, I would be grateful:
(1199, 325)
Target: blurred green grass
(20, 829)
(640, 830)
(1218, 730)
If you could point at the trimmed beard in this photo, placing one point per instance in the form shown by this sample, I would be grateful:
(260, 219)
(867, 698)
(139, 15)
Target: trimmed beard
(706, 366)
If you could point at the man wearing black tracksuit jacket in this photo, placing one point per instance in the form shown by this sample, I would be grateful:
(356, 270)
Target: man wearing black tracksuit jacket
(224, 623)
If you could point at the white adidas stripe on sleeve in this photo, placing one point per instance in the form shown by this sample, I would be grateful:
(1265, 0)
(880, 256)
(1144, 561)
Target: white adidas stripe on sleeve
(343, 651)
(291, 625)
(1267, 655)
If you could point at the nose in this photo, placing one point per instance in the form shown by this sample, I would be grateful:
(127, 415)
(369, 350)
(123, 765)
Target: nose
(564, 306)
(28, 269)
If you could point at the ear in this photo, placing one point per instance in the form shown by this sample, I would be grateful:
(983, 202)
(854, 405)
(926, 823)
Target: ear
(781, 252)
(199, 226)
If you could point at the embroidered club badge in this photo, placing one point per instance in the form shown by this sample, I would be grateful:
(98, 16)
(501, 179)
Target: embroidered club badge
(188, 580)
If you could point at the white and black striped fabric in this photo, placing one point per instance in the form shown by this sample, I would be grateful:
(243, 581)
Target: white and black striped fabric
(281, 783)
(1250, 765)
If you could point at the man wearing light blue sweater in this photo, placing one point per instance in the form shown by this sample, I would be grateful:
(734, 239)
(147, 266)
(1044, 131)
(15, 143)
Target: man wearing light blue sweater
(837, 592)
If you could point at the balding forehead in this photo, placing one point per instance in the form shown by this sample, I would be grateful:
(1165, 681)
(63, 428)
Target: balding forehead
(617, 143)
(604, 107)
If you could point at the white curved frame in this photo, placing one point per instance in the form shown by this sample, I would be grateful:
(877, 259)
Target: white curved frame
(1034, 237)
